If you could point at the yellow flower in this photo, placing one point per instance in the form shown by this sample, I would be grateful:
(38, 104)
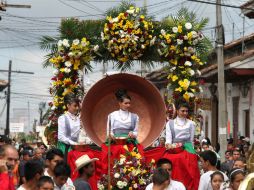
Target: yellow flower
(66, 91)
(186, 96)
(142, 17)
(126, 147)
(179, 89)
(124, 170)
(66, 81)
(189, 35)
(184, 84)
(174, 78)
(180, 29)
(76, 64)
(172, 48)
(130, 188)
(152, 161)
(173, 61)
(193, 83)
(193, 90)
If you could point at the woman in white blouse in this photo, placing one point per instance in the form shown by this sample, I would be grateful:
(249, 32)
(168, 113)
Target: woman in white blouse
(181, 129)
(69, 124)
(122, 122)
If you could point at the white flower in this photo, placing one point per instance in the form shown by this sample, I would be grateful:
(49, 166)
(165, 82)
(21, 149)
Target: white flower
(100, 187)
(125, 183)
(55, 72)
(59, 43)
(135, 186)
(201, 89)
(117, 175)
(163, 32)
(185, 37)
(115, 19)
(191, 50)
(191, 72)
(198, 72)
(96, 48)
(66, 43)
(191, 94)
(195, 42)
(102, 36)
(70, 54)
(76, 42)
(67, 64)
(175, 29)
(152, 41)
(188, 26)
(53, 107)
(143, 47)
(194, 34)
(67, 70)
(130, 11)
(120, 184)
(172, 69)
(179, 41)
(84, 44)
(188, 63)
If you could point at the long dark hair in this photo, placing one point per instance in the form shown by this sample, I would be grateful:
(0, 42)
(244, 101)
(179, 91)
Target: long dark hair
(122, 94)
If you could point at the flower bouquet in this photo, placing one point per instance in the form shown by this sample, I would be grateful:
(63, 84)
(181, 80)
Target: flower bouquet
(128, 35)
(175, 148)
(128, 173)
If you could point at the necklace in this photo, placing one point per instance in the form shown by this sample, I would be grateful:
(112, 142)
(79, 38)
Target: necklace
(185, 121)
(122, 118)
(73, 117)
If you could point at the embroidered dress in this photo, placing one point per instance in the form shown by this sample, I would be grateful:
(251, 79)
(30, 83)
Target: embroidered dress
(185, 163)
(121, 123)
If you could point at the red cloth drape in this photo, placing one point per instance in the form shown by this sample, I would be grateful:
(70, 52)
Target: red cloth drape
(185, 164)
(75, 154)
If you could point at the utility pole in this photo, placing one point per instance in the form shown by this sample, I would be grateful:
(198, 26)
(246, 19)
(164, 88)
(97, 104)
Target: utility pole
(221, 80)
(143, 66)
(3, 6)
(7, 129)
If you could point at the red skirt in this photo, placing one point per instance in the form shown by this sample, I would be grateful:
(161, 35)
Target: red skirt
(185, 168)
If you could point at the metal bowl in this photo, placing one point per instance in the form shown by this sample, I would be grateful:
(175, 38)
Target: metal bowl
(146, 101)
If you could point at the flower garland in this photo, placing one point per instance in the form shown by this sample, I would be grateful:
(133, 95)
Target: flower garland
(70, 58)
(129, 172)
(178, 47)
(128, 35)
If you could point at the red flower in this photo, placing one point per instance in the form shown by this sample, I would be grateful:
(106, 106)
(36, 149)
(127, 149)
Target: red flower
(126, 14)
(60, 76)
(110, 25)
(54, 78)
(129, 30)
(202, 81)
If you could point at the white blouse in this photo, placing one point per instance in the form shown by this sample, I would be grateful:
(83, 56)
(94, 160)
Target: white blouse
(123, 117)
(74, 128)
(185, 128)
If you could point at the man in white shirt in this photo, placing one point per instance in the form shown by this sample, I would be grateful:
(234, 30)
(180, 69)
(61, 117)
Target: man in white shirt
(167, 165)
(53, 157)
(208, 161)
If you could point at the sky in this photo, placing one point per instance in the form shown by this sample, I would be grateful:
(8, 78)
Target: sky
(21, 30)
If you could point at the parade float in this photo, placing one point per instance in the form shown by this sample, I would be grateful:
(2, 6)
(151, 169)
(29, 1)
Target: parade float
(127, 36)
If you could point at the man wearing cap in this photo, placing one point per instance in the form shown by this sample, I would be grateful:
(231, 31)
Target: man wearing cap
(85, 167)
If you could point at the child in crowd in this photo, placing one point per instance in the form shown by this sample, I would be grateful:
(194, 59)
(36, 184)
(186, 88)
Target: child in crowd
(236, 176)
(45, 183)
(217, 179)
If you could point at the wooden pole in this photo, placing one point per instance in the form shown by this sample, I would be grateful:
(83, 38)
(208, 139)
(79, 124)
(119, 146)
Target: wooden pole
(109, 154)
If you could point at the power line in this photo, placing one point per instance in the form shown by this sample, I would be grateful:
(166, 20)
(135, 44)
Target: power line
(221, 4)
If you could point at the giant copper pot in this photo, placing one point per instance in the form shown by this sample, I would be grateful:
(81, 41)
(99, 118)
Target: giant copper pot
(146, 101)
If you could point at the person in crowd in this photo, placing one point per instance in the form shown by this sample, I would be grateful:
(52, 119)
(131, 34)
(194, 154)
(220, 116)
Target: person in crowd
(45, 183)
(38, 156)
(166, 164)
(160, 179)
(8, 159)
(4, 140)
(208, 161)
(230, 145)
(69, 124)
(86, 168)
(26, 156)
(236, 154)
(217, 178)
(43, 149)
(33, 172)
(236, 176)
(53, 157)
(24, 146)
(162, 141)
(225, 166)
(62, 173)
(239, 163)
